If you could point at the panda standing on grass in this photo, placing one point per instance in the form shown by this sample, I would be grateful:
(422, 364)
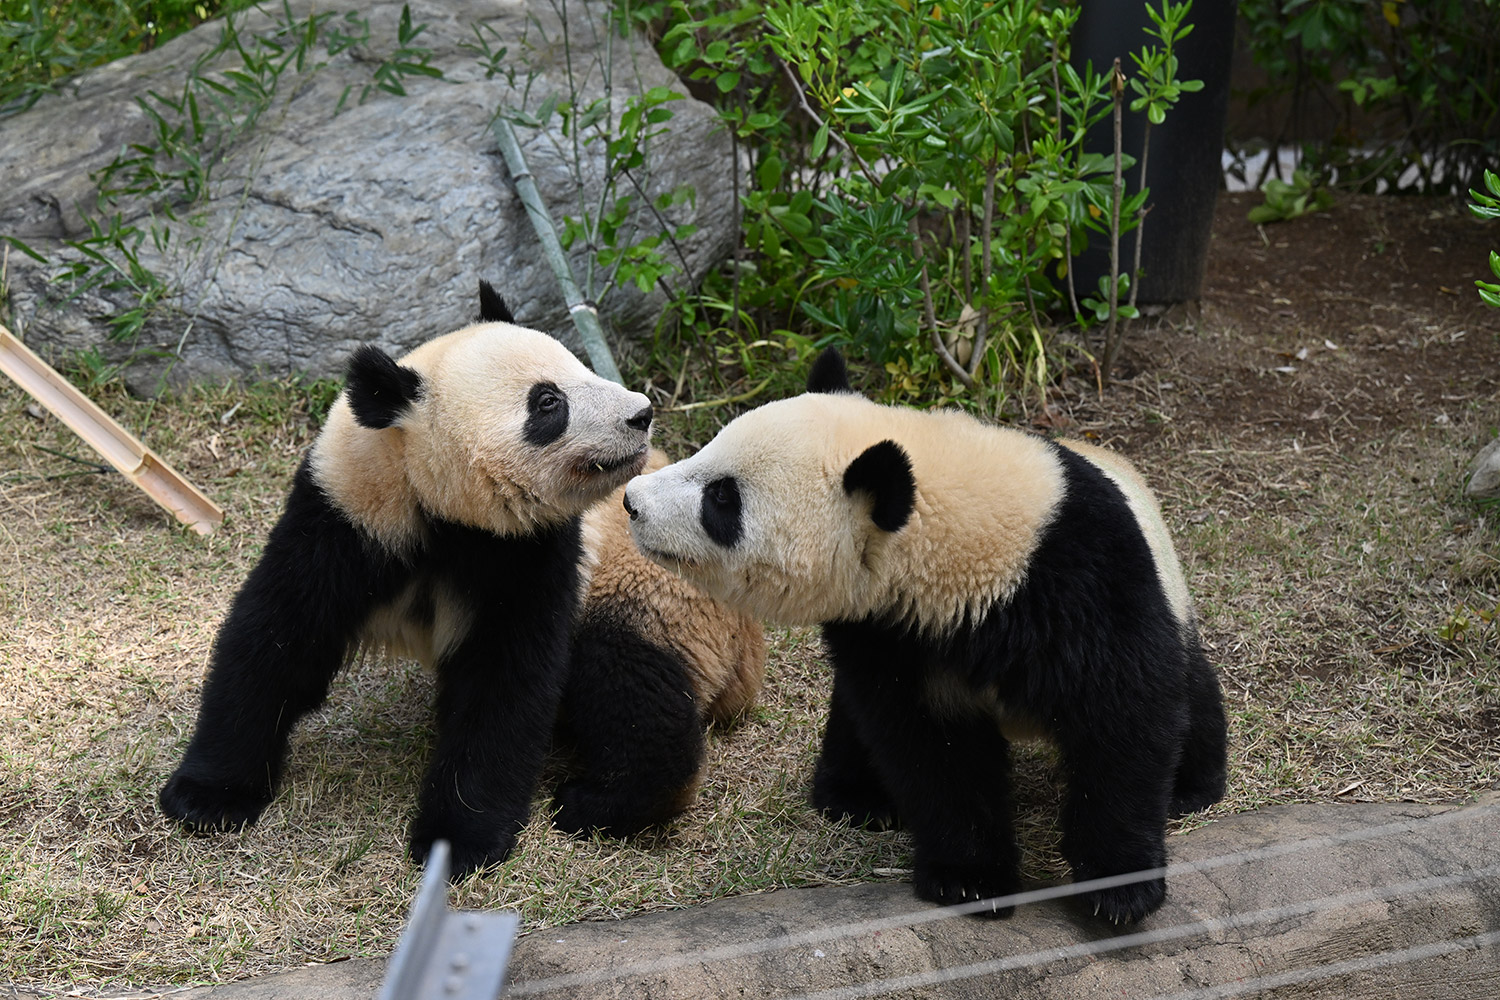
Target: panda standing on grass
(438, 516)
(975, 585)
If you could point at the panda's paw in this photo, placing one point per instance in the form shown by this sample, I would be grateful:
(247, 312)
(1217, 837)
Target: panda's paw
(954, 885)
(865, 818)
(867, 808)
(584, 808)
(466, 854)
(1126, 904)
(1183, 804)
(1198, 793)
(203, 806)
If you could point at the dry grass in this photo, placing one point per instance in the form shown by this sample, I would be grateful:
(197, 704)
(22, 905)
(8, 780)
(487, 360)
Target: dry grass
(1324, 571)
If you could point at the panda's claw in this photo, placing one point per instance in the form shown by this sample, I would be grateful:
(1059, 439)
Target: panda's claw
(1127, 904)
(960, 884)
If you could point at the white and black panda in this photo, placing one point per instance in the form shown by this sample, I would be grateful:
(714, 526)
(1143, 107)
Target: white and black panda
(975, 584)
(437, 515)
(654, 662)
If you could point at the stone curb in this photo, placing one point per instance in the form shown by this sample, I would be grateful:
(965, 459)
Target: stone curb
(1369, 901)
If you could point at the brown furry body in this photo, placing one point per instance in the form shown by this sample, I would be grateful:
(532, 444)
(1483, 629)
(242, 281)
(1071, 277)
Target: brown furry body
(655, 660)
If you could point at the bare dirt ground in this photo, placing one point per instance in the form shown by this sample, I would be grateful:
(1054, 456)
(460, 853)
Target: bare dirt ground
(1307, 428)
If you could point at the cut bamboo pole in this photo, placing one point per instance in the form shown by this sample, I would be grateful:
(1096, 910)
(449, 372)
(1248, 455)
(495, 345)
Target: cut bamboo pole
(134, 460)
(585, 316)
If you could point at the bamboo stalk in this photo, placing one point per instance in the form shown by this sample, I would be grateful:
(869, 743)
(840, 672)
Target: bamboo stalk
(585, 315)
(134, 460)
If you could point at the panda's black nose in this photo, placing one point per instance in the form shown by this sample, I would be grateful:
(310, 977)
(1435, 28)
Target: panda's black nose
(629, 509)
(642, 420)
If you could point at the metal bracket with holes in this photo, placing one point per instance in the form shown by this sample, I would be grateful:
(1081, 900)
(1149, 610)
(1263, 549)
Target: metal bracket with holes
(449, 954)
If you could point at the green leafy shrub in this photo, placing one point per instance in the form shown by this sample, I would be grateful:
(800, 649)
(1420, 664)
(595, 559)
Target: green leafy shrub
(1416, 86)
(1487, 206)
(1290, 200)
(918, 184)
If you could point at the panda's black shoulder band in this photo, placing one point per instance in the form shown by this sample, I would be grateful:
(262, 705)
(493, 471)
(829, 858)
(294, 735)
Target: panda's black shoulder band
(829, 373)
(379, 389)
(492, 308)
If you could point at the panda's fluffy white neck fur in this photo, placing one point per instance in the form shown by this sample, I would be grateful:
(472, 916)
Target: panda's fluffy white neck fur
(980, 510)
(363, 471)
(984, 496)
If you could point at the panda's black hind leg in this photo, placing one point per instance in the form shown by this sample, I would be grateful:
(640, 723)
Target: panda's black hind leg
(845, 784)
(1202, 771)
(631, 723)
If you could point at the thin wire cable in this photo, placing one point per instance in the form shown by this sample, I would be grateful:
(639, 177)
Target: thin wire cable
(1292, 977)
(1087, 949)
(711, 956)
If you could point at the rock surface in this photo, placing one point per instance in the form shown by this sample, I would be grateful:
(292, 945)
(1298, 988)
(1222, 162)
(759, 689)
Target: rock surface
(1382, 902)
(1484, 473)
(322, 228)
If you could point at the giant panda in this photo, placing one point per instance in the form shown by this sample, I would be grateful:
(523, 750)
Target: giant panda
(654, 662)
(975, 585)
(437, 515)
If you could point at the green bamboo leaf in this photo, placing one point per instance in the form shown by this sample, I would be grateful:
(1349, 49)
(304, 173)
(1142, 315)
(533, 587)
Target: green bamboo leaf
(28, 251)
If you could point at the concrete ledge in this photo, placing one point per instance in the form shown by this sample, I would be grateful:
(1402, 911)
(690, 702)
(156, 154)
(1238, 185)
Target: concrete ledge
(1324, 901)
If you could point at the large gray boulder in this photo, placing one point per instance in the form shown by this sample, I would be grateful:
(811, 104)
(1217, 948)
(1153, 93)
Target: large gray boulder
(325, 227)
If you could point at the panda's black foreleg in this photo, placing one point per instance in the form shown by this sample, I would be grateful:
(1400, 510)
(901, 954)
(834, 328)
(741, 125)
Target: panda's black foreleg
(498, 688)
(846, 786)
(955, 798)
(289, 629)
(1202, 772)
(1120, 767)
(496, 703)
(632, 723)
(948, 775)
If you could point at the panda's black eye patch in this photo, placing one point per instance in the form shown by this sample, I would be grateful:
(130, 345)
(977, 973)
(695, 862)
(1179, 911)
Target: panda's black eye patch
(720, 511)
(546, 414)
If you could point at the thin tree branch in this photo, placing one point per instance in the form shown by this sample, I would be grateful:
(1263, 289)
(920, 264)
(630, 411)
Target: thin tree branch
(981, 335)
(1068, 228)
(817, 120)
(1140, 222)
(1111, 339)
(931, 314)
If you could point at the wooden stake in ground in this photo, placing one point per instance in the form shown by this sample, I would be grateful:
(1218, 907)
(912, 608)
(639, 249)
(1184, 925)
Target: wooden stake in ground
(134, 460)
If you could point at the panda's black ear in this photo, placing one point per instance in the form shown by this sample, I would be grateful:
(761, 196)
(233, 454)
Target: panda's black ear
(884, 472)
(829, 373)
(492, 308)
(379, 389)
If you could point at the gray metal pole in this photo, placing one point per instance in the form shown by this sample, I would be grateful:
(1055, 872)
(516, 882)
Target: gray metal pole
(585, 316)
(445, 954)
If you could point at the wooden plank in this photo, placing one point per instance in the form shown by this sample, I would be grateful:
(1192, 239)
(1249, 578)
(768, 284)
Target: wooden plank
(134, 460)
